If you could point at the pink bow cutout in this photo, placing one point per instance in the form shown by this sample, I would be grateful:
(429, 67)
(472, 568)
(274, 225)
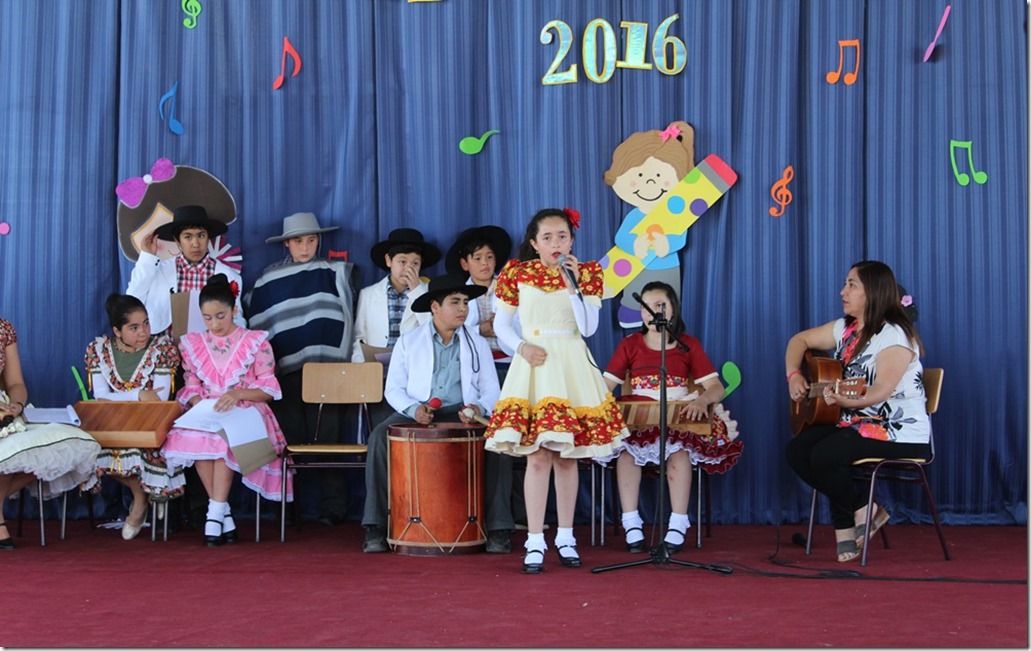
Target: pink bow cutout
(672, 131)
(131, 191)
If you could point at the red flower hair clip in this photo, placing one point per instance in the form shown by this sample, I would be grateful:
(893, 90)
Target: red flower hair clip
(573, 215)
(235, 286)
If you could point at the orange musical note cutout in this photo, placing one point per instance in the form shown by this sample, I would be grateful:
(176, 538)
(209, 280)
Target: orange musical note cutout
(850, 77)
(980, 177)
(288, 48)
(780, 192)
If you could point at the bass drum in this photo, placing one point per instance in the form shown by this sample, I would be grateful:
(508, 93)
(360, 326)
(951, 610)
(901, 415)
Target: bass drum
(436, 489)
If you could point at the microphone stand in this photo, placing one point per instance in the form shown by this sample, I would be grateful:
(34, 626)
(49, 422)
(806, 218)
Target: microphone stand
(660, 555)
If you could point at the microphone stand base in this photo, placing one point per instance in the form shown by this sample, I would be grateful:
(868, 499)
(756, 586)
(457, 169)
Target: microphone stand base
(660, 556)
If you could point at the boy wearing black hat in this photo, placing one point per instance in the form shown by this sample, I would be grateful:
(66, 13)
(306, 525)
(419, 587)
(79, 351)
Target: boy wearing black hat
(422, 368)
(154, 280)
(385, 308)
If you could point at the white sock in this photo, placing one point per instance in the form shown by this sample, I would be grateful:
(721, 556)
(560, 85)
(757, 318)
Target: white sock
(632, 520)
(678, 522)
(215, 517)
(535, 541)
(564, 538)
(227, 521)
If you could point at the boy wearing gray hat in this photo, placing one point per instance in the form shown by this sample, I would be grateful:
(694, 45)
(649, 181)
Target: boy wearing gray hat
(305, 302)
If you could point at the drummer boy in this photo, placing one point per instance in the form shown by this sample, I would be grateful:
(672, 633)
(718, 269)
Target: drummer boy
(448, 365)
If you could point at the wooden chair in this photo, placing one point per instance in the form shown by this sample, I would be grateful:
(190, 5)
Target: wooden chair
(334, 383)
(902, 470)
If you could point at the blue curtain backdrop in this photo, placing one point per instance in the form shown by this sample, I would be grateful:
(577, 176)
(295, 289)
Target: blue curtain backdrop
(366, 136)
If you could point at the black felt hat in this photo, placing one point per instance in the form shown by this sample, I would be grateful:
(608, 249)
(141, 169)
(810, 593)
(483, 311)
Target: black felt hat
(496, 237)
(446, 285)
(189, 217)
(405, 237)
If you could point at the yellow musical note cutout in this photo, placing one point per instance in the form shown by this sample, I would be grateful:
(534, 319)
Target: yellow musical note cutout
(850, 77)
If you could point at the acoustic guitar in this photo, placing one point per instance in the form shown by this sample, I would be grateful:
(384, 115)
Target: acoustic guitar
(822, 371)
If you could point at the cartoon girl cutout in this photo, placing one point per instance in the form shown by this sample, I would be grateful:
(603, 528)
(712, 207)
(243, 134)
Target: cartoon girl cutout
(645, 169)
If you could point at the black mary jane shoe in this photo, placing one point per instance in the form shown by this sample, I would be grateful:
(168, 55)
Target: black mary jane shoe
(8, 542)
(214, 541)
(230, 537)
(635, 547)
(573, 561)
(672, 548)
(533, 568)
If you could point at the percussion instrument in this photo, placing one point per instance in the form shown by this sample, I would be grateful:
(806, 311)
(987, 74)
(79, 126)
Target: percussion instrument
(436, 489)
(127, 424)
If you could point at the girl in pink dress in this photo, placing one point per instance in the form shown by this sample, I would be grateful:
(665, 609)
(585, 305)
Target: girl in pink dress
(235, 366)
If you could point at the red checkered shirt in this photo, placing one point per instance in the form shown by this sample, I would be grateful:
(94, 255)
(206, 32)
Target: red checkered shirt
(191, 276)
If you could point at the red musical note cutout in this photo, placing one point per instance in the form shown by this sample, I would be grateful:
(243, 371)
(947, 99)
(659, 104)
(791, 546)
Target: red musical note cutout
(288, 48)
(850, 77)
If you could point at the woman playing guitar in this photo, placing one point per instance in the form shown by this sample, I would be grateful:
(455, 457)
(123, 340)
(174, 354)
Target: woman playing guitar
(875, 341)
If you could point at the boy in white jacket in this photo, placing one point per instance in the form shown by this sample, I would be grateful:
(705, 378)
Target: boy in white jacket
(421, 369)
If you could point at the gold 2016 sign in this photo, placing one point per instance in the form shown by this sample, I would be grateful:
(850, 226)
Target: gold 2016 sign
(668, 52)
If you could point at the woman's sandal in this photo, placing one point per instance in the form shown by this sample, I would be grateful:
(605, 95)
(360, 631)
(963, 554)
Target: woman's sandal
(847, 547)
(879, 519)
(635, 547)
(533, 568)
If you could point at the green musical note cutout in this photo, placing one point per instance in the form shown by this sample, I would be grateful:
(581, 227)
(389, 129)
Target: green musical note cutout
(192, 9)
(732, 376)
(472, 145)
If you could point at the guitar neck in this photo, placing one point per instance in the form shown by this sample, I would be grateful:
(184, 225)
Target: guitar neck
(844, 387)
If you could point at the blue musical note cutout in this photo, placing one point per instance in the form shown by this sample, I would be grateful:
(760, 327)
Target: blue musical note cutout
(175, 126)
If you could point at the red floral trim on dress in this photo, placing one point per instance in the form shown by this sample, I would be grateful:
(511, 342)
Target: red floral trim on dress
(651, 382)
(161, 358)
(588, 425)
(534, 274)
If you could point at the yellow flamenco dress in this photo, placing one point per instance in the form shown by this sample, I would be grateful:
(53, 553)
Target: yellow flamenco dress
(563, 404)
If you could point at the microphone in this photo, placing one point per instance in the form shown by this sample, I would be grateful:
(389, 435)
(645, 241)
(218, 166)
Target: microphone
(434, 403)
(798, 539)
(569, 273)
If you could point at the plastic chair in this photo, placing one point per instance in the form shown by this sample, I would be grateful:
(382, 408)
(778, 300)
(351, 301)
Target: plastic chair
(335, 383)
(902, 470)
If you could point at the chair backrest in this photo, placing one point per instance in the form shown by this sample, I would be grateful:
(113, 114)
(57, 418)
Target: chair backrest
(342, 382)
(933, 387)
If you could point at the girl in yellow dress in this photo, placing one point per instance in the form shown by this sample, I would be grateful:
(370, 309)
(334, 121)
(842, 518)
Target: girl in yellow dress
(554, 407)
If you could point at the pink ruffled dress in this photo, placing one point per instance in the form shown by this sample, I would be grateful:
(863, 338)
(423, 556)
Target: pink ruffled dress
(211, 366)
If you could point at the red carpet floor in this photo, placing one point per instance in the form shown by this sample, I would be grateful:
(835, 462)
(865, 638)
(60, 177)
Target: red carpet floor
(318, 590)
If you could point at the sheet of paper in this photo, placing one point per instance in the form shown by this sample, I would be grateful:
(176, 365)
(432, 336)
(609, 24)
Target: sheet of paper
(243, 425)
(202, 416)
(52, 415)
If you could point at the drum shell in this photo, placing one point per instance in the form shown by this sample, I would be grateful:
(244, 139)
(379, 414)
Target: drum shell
(436, 489)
